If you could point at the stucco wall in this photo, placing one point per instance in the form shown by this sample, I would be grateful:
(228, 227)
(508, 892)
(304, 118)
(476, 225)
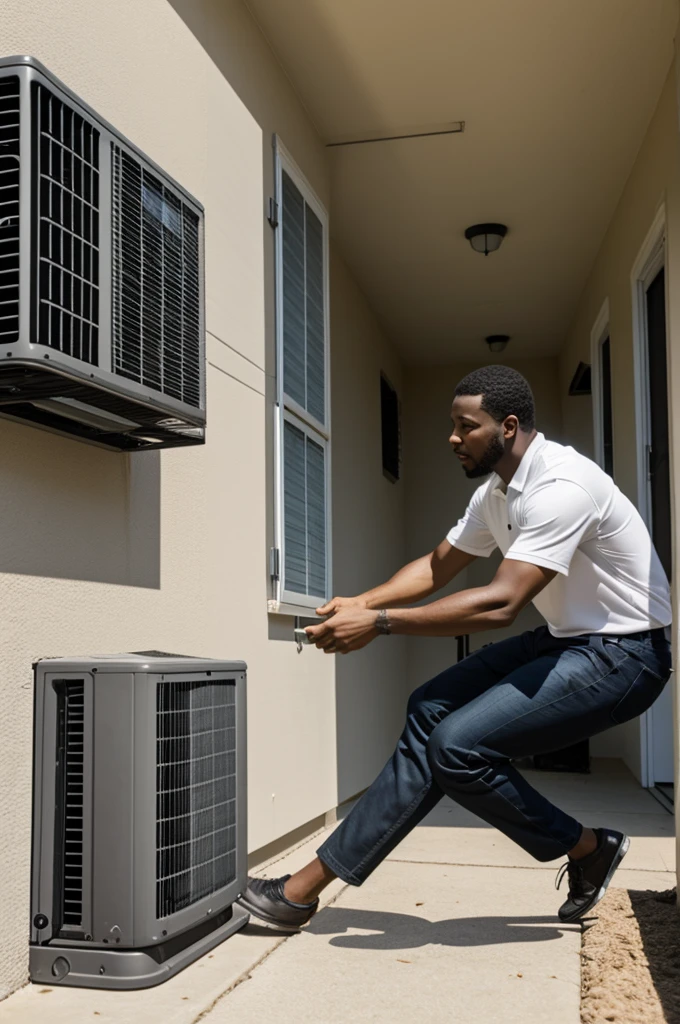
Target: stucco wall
(102, 552)
(654, 179)
(437, 490)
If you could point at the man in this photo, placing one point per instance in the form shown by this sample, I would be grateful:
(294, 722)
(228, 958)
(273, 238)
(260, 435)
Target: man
(575, 546)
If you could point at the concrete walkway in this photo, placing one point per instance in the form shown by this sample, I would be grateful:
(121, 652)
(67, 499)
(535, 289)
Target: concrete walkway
(458, 925)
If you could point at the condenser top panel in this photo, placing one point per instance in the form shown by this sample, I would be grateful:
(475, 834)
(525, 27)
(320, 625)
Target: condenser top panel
(154, 662)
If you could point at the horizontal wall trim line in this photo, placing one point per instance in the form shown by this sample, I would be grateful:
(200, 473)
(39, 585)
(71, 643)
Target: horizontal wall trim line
(237, 379)
(231, 347)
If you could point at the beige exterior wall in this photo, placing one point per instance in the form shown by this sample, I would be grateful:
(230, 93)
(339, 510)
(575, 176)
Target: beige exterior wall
(102, 552)
(437, 491)
(655, 179)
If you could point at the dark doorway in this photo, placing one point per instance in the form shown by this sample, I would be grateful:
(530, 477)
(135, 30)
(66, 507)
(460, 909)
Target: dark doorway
(659, 462)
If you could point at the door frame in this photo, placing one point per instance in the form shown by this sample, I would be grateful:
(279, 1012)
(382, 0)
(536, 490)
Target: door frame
(598, 334)
(651, 258)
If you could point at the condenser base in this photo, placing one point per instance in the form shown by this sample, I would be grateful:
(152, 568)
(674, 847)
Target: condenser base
(89, 967)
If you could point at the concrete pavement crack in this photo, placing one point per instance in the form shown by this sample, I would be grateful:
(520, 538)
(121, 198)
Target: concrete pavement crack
(247, 974)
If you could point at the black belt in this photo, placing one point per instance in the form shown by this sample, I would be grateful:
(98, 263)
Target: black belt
(646, 634)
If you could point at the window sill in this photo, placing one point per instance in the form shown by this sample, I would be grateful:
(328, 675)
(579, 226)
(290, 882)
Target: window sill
(296, 610)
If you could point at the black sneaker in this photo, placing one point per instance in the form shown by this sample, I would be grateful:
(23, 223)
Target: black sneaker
(264, 899)
(590, 876)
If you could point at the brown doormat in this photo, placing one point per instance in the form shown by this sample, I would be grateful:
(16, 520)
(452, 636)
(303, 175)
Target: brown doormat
(631, 959)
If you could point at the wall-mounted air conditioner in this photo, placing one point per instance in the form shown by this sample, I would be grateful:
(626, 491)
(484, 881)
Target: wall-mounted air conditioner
(101, 276)
(139, 816)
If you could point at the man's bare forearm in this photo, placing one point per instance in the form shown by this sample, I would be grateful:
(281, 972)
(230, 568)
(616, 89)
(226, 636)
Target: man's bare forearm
(470, 611)
(412, 583)
(420, 578)
(495, 606)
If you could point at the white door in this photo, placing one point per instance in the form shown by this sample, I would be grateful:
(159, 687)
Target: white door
(661, 736)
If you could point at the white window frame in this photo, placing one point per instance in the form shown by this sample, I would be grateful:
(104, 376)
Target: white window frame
(599, 334)
(287, 410)
(649, 261)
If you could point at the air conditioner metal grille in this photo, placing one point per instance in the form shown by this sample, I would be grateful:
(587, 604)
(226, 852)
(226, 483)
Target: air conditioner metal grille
(9, 209)
(156, 286)
(196, 791)
(66, 151)
(69, 800)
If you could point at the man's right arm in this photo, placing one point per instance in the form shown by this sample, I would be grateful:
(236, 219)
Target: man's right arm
(418, 579)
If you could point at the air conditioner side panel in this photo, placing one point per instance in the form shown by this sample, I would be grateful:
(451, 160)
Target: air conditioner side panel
(44, 757)
(144, 853)
(114, 800)
(241, 783)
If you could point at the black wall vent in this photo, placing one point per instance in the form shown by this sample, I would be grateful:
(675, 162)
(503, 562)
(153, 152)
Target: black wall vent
(391, 430)
(581, 382)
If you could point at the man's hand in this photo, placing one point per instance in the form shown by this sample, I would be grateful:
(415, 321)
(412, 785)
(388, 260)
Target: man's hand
(350, 628)
(336, 604)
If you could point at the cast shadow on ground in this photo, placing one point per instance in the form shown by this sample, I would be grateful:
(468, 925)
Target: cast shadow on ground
(408, 931)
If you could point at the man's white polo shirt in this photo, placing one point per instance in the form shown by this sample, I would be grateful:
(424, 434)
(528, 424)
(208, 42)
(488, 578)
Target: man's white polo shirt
(561, 511)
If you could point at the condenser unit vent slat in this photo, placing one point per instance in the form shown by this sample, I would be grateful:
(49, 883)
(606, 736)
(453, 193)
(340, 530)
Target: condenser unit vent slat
(66, 175)
(156, 260)
(69, 800)
(9, 210)
(196, 792)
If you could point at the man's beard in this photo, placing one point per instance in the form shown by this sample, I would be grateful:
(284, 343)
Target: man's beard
(489, 461)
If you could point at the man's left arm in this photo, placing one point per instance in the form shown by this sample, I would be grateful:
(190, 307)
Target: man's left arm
(471, 611)
(495, 606)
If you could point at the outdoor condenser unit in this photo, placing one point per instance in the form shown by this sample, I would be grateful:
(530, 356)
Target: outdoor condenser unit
(139, 816)
(101, 276)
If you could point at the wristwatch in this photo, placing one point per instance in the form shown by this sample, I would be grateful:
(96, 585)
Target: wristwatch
(382, 623)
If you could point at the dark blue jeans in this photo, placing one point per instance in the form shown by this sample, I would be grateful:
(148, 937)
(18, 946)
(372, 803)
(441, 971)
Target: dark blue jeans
(527, 695)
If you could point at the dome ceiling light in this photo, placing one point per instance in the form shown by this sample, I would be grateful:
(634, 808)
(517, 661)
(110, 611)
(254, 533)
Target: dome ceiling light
(486, 238)
(497, 342)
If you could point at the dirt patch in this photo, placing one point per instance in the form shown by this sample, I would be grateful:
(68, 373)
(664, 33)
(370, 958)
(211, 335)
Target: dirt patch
(631, 960)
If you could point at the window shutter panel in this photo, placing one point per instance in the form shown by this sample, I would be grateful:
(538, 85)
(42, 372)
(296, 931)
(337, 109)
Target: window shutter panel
(294, 311)
(304, 369)
(316, 519)
(304, 513)
(315, 403)
(294, 510)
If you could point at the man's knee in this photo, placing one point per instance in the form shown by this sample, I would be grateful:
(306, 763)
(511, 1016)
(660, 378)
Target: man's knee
(417, 700)
(453, 760)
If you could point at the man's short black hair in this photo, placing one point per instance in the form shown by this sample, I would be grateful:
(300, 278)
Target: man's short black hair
(504, 391)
